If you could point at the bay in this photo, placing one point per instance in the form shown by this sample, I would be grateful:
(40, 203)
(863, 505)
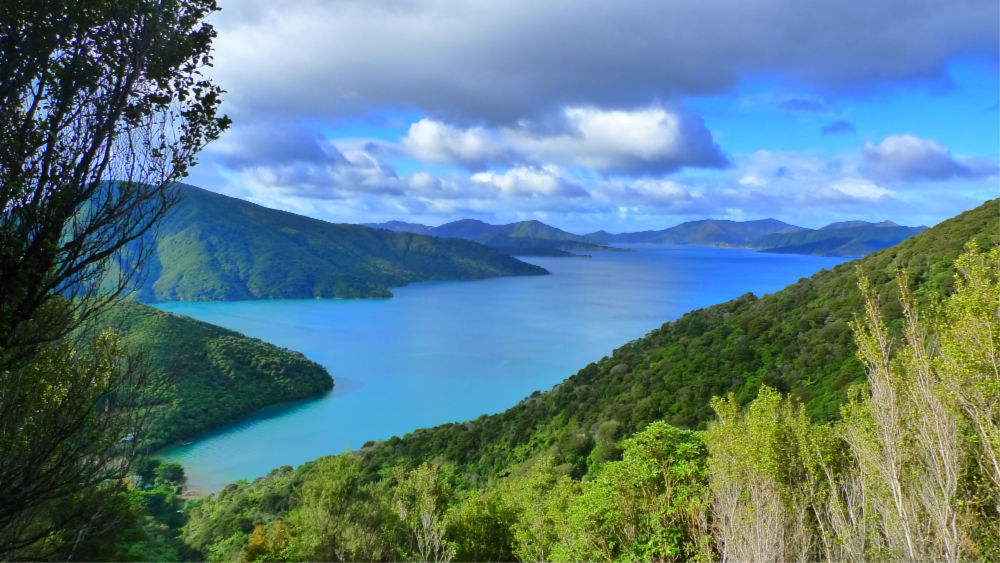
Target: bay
(443, 352)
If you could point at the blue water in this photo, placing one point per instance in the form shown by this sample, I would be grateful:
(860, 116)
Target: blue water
(450, 351)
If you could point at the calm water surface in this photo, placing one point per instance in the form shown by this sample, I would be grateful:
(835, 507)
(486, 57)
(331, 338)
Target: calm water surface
(450, 351)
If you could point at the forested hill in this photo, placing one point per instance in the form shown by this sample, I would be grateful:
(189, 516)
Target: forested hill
(209, 375)
(797, 340)
(212, 247)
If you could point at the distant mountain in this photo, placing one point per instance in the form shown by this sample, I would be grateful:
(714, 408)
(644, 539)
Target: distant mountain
(710, 232)
(401, 227)
(213, 248)
(846, 238)
(523, 238)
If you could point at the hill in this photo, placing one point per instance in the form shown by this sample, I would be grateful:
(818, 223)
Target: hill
(523, 238)
(214, 248)
(847, 238)
(709, 232)
(212, 375)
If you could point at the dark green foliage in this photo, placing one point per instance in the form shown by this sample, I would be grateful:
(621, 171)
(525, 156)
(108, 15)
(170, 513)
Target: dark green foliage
(215, 248)
(212, 375)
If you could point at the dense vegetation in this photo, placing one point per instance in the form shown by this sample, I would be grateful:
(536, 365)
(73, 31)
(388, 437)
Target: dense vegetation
(909, 471)
(206, 375)
(212, 247)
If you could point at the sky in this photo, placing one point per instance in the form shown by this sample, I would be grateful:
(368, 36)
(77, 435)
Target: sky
(624, 116)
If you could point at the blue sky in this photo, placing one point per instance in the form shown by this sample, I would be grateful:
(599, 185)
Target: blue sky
(624, 116)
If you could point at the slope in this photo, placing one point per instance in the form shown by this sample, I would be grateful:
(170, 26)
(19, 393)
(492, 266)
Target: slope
(211, 375)
(213, 247)
(797, 340)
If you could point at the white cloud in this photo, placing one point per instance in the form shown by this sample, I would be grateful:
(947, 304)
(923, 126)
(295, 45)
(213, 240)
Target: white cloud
(438, 142)
(529, 182)
(631, 141)
(908, 158)
(849, 190)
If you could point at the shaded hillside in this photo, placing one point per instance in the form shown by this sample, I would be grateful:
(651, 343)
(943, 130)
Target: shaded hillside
(212, 375)
(848, 238)
(708, 232)
(797, 340)
(213, 247)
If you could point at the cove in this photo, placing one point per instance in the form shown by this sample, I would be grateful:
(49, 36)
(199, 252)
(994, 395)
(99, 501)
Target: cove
(450, 351)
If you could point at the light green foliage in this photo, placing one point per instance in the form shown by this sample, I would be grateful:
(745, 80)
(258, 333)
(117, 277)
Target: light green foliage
(269, 542)
(341, 517)
(651, 505)
(758, 477)
(421, 497)
(905, 475)
(923, 429)
(479, 526)
(542, 497)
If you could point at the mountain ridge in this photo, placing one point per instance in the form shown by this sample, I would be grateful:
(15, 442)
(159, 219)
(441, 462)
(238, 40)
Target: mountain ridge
(213, 247)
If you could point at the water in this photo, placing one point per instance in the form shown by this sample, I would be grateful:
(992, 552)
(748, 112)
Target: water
(450, 351)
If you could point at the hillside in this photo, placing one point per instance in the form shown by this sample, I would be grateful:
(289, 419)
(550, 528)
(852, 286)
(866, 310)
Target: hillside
(523, 238)
(796, 340)
(709, 232)
(212, 375)
(214, 248)
(500, 482)
(847, 238)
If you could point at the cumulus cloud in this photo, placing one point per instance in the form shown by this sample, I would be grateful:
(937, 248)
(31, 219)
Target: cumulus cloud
(911, 158)
(480, 61)
(839, 127)
(529, 182)
(847, 190)
(642, 141)
(434, 141)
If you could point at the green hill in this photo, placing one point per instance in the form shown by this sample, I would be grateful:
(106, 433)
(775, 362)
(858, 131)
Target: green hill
(211, 375)
(848, 238)
(214, 248)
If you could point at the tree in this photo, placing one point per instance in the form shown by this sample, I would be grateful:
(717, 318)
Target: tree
(102, 108)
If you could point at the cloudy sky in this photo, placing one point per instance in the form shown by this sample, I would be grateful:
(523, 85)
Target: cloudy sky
(624, 115)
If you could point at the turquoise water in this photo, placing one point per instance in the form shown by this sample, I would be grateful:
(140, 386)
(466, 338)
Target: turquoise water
(450, 351)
